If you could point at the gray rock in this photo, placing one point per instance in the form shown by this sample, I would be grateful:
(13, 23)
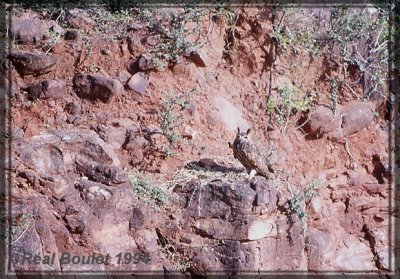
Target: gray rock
(123, 76)
(139, 83)
(92, 192)
(97, 87)
(28, 28)
(102, 173)
(48, 89)
(28, 63)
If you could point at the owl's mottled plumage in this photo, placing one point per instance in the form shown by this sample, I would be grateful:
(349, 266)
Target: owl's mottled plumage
(249, 155)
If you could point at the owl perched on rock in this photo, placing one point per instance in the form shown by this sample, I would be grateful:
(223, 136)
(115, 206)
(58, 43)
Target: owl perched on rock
(250, 156)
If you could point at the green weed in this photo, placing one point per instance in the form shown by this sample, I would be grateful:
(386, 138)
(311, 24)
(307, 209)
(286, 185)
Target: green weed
(288, 102)
(171, 118)
(152, 194)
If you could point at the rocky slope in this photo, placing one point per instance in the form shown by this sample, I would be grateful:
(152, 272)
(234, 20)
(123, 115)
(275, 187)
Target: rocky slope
(121, 123)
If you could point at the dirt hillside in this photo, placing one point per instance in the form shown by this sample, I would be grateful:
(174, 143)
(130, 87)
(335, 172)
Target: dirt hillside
(122, 126)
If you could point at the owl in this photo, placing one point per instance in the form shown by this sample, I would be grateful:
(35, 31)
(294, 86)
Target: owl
(250, 156)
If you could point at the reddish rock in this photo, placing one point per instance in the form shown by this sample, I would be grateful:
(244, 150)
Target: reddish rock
(97, 87)
(356, 116)
(322, 120)
(28, 63)
(48, 89)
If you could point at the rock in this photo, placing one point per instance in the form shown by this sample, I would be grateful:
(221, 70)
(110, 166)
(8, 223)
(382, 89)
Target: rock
(140, 64)
(45, 232)
(93, 193)
(139, 82)
(198, 58)
(56, 151)
(249, 229)
(58, 186)
(322, 248)
(72, 35)
(48, 89)
(28, 63)
(356, 116)
(47, 160)
(76, 222)
(266, 196)
(322, 120)
(97, 87)
(354, 255)
(28, 28)
(123, 76)
(101, 116)
(79, 19)
(207, 163)
(134, 142)
(115, 136)
(73, 108)
(102, 173)
(137, 220)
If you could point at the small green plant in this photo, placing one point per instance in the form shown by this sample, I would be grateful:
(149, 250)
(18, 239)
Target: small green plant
(293, 29)
(348, 27)
(297, 205)
(172, 30)
(152, 194)
(287, 103)
(116, 22)
(171, 118)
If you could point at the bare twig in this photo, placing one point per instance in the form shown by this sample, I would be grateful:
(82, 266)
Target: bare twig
(348, 151)
(56, 40)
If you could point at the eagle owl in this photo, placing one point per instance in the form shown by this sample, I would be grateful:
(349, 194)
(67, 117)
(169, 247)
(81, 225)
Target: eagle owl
(250, 156)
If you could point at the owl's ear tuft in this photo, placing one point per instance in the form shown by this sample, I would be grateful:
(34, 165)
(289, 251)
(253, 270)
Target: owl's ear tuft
(238, 130)
(248, 131)
(230, 144)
